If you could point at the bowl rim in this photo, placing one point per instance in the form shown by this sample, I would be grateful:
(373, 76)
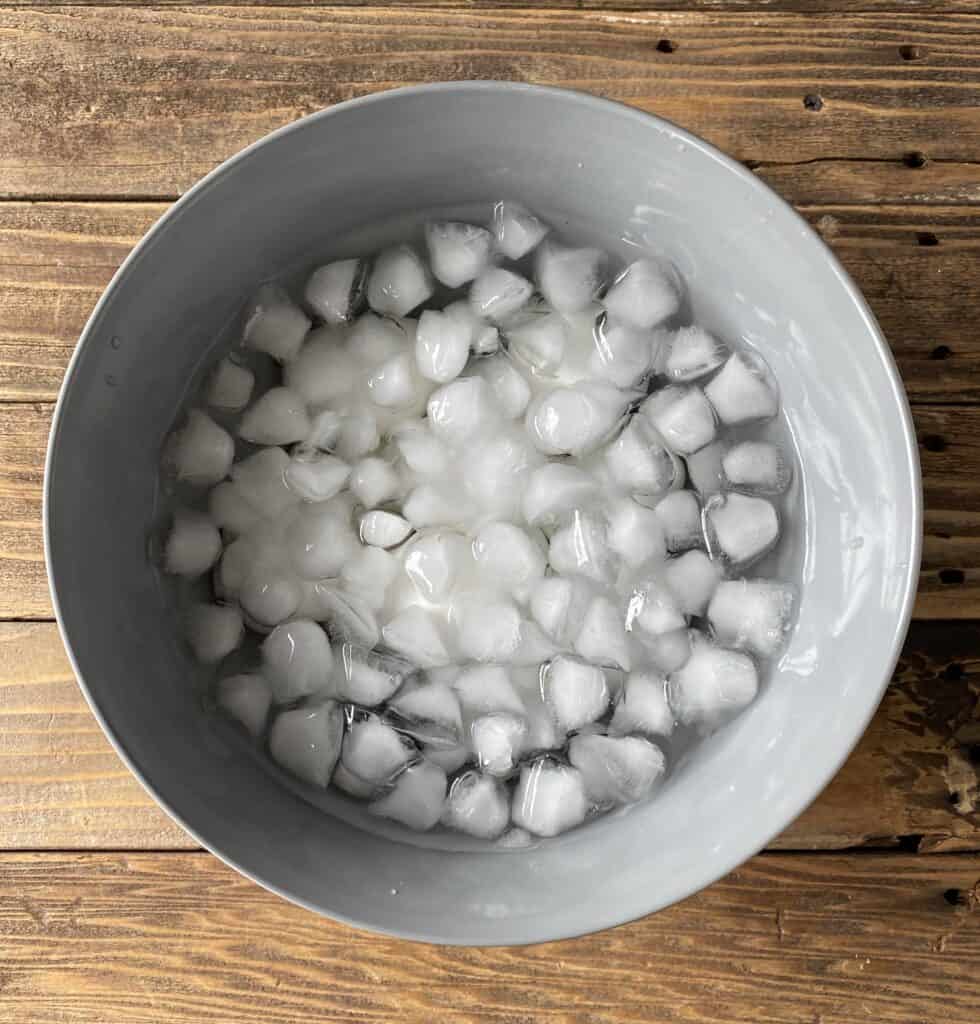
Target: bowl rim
(602, 919)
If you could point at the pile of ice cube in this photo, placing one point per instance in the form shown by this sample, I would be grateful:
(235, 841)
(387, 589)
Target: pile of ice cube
(487, 597)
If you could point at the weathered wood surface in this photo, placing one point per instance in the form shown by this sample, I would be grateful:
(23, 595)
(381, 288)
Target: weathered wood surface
(912, 781)
(143, 105)
(794, 939)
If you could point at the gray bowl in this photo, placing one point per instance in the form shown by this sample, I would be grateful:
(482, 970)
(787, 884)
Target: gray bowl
(755, 271)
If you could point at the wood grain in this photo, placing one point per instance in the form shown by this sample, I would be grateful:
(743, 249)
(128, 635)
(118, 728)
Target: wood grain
(912, 781)
(794, 939)
(143, 105)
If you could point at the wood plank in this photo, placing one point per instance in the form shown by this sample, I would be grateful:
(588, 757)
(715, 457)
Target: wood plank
(793, 939)
(144, 105)
(912, 781)
(56, 258)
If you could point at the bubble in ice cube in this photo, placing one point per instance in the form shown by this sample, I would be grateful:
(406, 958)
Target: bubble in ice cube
(359, 435)
(640, 462)
(193, 544)
(758, 466)
(274, 324)
(462, 409)
(497, 740)
(229, 509)
(704, 469)
(576, 692)
(569, 278)
(643, 295)
(692, 579)
(680, 515)
(516, 230)
(349, 615)
(743, 390)
(323, 371)
(335, 291)
(277, 417)
(429, 714)
(429, 505)
(457, 252)
(435, 563)
(415, 635)
(319, 539)
(384, 529)
(691, 353)
(653, 609)
(617, 769)
(373, 482)
(537, 337)
(494, 470)
(753, 614)
(371, 756)
(642, 707)
(245, 698)
(508, 385)
(368, 574)
(497, 294)
(200, 452)
(581, 547)
(483, 689)
(213, 631)
(230, 386)
(558, 605)
(740, 528)
(577, 419)
(623, 355)
(507, 558)
(683, 417)
(368, 678)
(488, 628)
(477, 805)
(316, 477)
(554, 490)
(417, 797)
(549, 798)
(442, 346)
(399, 281)
(634, 532)
(713, 685)
(306, 741)
(297, 661)
(602, 636)
(373, 339)
(269, 596)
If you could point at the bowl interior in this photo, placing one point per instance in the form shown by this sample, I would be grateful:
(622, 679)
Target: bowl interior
(755, 272)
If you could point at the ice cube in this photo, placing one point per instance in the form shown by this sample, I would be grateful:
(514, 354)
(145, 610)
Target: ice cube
(704, 469)
(457, 252)
(558, 605)
(494, 471)
(297, 661)
(549, 798)
(430, 505)
(483, 338)
(758, 466)
(577, 419)
(488, 628)
(275, 324)
(317, 477)
(435, 563)
(680, 516)
(507, 558)
(509, 386)
(449, 759)
(634, 533)
(306, 741)
(534, 646)
(516, 230)
(554, 490)
(371, 756)
(415, 635)
(643, 295)
(653, 608)
(498, 294)
(542, 732)
(743, 390)
(754, 614)
(359, 435)
(461, 410)
(393, 385)
(623, 354)
(442, 346)
(325, 429)
(417, 798)
(399, 281)
(384, 529)
(367, 678)
(692, 579)
(483, 689)
(642, 707)
(334, 291)
(569, 278)
(269, 597)
(423, 453)
(374, 339)
(582, 548)
(713, 686)
(740, 528)
(193, 545)
(373, 482)
(324, 371)
(429, 714)
(368, 574)
(237, 561)
(278, 417)
(228, 509)
(668, 651)
(617, 769)
(639, 461)
(201, 452)
(319, 539)
(230, 386)
(497, 740)
(260, 479)
(477, 805)
(213, 631)
(348, 614)
(576, 692)
(683, 417)
(692, 353)
(537, 338)
(245, 698)
(602, 637)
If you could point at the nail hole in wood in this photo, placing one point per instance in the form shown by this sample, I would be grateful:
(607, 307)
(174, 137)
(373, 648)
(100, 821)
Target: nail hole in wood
(914, 159)
(909, 843)
(952, 798)
(973, 753)
(911, 52)
(951, 577)
(953, 673)
(812, 101)
(953, 897)
(926, 238)
(665, 46)
(941, 352)
(933, 443)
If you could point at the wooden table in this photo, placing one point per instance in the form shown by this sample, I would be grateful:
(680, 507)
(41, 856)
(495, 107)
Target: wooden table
(866, 115)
